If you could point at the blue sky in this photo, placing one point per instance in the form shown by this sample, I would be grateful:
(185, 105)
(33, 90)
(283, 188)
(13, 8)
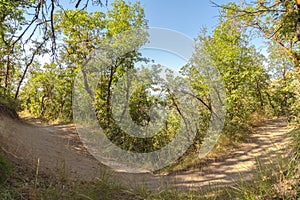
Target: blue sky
(187, 17)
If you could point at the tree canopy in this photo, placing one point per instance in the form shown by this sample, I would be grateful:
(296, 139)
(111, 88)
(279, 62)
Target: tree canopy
(274, 20)
(98, 50)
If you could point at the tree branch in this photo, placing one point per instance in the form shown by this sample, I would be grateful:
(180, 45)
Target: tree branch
(26, 68)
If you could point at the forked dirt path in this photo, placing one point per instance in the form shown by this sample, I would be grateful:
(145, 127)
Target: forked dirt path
(60, 153)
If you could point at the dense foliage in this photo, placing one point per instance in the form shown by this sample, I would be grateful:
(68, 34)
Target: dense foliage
(241, 69)
(254, 83)
(43, 48)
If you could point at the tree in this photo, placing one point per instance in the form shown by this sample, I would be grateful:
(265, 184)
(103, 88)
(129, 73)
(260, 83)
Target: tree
(240, 67)
(282, 92)
(48, 93)
(10, 18)
(275, 20)
(26, 28)
(85, 34)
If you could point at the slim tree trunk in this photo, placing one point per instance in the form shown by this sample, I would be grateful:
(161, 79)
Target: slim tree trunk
(7, 72)
(296, 62)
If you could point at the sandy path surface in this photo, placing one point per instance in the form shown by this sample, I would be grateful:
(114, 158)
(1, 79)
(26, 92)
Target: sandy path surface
(60, 153)
(268, 141)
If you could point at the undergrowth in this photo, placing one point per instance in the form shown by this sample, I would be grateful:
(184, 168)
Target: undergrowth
(278, 180)
(9, 106)
(21, 186)
(5, 170)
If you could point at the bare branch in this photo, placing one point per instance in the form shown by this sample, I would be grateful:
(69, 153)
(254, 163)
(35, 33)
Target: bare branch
(28, 64)
(53, 38)
(77, 4)
(34, 19)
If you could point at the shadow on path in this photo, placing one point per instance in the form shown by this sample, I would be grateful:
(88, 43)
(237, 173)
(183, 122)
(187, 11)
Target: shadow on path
(60, 151)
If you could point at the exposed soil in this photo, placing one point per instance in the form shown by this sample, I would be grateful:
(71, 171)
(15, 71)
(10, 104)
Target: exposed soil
(60, 154)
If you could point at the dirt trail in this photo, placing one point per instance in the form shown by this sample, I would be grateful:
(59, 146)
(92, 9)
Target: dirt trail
(61, 153)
